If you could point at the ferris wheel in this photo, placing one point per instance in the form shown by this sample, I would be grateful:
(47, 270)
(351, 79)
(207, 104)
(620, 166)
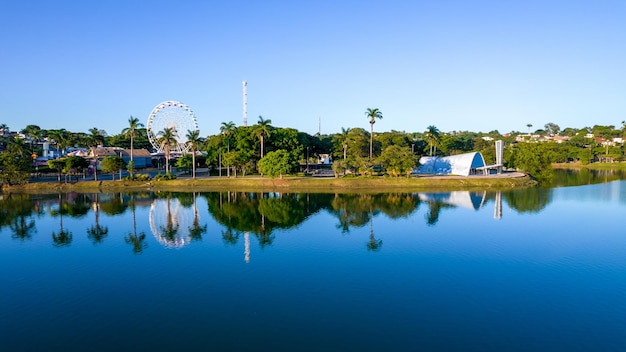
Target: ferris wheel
(175, 115)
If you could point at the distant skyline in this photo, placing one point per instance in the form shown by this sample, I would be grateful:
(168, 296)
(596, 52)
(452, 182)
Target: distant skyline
(459, 65)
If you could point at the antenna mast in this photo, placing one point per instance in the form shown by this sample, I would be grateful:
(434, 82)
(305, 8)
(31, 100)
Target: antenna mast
(319, 126)
(245, 103)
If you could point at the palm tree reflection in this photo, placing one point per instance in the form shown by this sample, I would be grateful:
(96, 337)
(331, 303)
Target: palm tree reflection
(373, 244)
(22, 228)
(63, 237)
(136, 240)
(170, 230)
(97, 233)
(195, 230)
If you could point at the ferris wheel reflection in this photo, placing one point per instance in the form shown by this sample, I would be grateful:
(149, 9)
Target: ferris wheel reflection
(171, 223)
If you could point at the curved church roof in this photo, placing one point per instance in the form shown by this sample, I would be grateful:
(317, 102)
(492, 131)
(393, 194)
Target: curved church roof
(460, 164)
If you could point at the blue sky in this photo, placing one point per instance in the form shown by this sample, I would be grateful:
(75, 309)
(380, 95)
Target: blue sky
(459, 65)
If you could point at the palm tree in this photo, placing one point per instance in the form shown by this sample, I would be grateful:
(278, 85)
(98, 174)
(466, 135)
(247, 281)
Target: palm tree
(433, 138)
(193, 140)
(97, 136)
(16, 147)
(34, 133)
(263, 128)
(372, 114)
(5, 129)
(344, 140)
(61, 138)
(132, 132)
(166, 139)
(529, 125)
(227, 129)
(94, 155)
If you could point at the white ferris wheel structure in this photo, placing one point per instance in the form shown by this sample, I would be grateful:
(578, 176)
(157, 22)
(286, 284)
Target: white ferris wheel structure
(175, 115)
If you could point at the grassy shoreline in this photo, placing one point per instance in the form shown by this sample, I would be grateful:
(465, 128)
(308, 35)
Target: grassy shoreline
(289, 184)
(592, 166)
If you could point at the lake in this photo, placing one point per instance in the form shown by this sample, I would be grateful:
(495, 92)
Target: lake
(524, 270)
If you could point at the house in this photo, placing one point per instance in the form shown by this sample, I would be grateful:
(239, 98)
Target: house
(141, 158)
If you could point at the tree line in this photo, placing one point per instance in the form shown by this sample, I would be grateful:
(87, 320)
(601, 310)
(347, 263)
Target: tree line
(276, 151)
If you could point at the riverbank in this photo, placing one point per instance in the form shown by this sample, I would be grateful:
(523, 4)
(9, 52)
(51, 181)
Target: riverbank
(592, 166)
(289, 184)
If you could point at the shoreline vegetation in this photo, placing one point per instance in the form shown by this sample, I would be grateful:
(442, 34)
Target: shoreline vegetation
(591, 166)
(292, 184)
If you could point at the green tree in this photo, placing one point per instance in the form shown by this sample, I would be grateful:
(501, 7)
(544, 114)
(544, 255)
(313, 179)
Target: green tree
(433, 137)
(277, 163)
(166, 139)
(185, 163)
(534, 158)
(96, 136)
(397, 160)
(15, 165)
(75, 165)
(552, 128)
(112, 164)
(227, 130)
(14, 168)
(342, 140)
(132, 131)
(57, 164)
(372, 115)
(339, 167)
(33, 132)
(193, 141)
(263, 129)
(400, 139)
(229, 159)
(62, 138)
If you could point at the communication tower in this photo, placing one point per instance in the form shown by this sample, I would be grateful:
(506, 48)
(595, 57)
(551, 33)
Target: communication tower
(245, 103)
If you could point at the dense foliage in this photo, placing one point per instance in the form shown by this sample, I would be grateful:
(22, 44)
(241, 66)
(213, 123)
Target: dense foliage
(239, 150)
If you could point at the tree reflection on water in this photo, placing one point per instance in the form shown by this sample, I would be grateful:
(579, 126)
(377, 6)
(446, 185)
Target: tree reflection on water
(175, 219)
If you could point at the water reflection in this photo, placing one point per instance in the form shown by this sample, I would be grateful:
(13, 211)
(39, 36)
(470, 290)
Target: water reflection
(179, 219)
(22, 224)
(170, 222)
(583, 176)
(138, 241)
(175, 221)
(63, 237)
(97, 232)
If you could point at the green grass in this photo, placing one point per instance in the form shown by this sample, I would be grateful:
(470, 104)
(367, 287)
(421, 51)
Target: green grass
(291, 184)
(592, 166)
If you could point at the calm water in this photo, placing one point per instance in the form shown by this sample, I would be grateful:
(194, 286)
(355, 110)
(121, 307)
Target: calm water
(530, 270)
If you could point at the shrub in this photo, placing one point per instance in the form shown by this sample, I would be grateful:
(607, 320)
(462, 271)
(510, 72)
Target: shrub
(162, 177)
